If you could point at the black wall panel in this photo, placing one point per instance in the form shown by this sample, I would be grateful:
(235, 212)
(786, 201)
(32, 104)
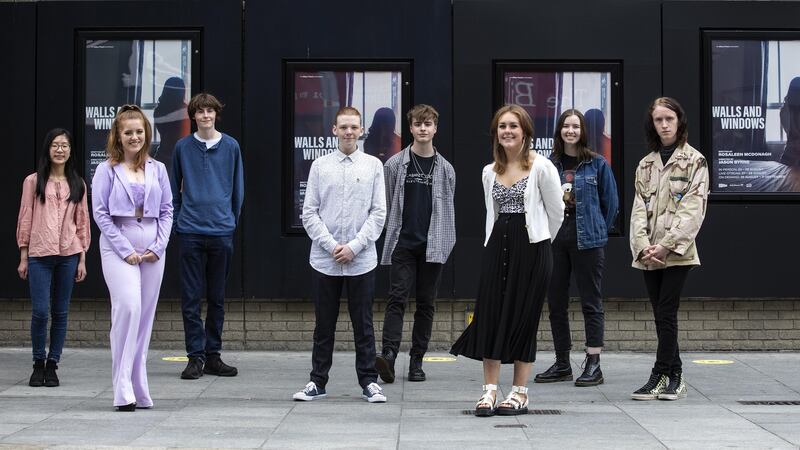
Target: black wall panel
(57, 24)
(419, 30)
(17, 45)
(747, 248)
(489, 30)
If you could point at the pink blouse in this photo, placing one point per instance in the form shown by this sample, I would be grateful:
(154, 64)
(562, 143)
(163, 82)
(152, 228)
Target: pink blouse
(55, 227)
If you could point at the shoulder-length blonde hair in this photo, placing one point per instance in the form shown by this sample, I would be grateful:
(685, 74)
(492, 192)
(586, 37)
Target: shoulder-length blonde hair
(498, 152)
(114, 143)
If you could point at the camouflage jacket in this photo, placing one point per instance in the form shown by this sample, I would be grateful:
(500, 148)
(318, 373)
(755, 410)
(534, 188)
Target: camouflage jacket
(669, 206)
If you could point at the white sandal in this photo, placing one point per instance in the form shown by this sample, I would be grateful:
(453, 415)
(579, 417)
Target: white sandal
(489, 397)
(514, 405)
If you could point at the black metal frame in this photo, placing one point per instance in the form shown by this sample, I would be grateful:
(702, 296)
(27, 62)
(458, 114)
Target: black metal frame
(614, 68)
(290, 67)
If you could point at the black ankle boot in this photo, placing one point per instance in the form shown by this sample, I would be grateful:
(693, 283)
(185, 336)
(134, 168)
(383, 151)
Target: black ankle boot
(384, 364)
(37, 377)
(50, 377)
(415, 372)
(592, 375)
(559, 371)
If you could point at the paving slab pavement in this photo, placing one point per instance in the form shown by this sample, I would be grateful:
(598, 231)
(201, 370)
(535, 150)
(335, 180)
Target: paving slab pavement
(255, 410)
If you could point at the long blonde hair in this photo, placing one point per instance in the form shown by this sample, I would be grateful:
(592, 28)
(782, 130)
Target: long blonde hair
(498, 152)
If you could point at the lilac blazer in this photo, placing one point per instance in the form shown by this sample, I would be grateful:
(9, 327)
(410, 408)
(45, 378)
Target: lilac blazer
(112, 197)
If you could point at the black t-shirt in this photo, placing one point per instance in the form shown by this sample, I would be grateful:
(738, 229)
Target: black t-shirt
(417, 202)
(568, 164)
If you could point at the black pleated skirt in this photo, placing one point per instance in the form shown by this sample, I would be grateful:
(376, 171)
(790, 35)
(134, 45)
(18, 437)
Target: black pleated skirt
(513, 282)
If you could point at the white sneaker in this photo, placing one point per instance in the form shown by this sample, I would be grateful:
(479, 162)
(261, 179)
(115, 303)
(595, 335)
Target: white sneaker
(373, 393)
(310, 392)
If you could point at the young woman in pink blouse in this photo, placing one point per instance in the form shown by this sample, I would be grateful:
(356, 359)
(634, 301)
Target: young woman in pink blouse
(53, 236)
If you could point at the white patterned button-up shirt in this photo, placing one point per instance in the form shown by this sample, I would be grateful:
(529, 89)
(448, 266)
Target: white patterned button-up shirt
(345, 203)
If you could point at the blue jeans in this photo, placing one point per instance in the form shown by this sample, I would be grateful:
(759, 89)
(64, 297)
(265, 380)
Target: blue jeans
(205, 262)
(46, 273)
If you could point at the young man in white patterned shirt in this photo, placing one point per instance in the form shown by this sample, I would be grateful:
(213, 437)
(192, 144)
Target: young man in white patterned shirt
(343, 213)
(420, 234)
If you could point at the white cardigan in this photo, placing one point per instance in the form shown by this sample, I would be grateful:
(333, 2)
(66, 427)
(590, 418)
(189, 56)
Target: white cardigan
(544, 205)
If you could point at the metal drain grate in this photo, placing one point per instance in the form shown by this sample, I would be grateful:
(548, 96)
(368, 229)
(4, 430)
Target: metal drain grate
(540, 412)
(545, 412)
(770, 402)
(516, 425)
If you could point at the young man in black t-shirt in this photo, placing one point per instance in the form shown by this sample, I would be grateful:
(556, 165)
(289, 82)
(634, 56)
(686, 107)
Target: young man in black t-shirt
(420, 233)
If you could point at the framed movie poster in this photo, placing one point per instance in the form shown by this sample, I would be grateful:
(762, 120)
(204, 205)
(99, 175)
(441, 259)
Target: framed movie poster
(547, 89)
(752, 114)
(313, 93)
(155, 70)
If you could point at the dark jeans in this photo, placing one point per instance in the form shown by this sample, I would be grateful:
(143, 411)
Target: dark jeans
(327, 295)
(46, 274)
(664, 287)
(205, 263)
(408, 266)
(587, 266)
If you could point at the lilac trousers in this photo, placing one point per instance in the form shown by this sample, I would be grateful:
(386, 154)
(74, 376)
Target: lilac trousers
(134, 294)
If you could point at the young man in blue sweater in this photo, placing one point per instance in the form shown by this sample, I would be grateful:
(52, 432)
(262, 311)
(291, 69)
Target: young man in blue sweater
(208, 190)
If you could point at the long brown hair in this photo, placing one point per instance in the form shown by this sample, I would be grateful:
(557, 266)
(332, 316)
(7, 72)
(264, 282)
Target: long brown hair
(498, 152)
(114, 143)
(584, 152)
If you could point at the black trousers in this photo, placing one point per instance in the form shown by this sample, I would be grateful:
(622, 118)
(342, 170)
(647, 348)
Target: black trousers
(327, 295)
(409, 266)
(664, 287)
(587, 266)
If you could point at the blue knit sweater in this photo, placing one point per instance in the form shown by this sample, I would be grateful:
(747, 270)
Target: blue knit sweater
(207, 186)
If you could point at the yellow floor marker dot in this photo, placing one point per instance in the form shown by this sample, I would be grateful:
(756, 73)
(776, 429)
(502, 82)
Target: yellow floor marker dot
(175, 358)
(713, 362)
(438, 359)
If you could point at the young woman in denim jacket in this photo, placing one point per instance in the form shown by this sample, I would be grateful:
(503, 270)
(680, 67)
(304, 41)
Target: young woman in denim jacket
(590, 196)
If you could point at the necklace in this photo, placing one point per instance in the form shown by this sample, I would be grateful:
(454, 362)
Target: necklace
(419, 167)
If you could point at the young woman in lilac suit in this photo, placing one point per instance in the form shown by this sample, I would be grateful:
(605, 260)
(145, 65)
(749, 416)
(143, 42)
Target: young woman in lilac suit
(132, 205)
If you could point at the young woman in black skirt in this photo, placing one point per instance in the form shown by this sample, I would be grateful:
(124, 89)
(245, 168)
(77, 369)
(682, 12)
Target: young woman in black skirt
(524, 210)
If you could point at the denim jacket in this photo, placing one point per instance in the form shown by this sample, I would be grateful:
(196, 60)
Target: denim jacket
(596, 200)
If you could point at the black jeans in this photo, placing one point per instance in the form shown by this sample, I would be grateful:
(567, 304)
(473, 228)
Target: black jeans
(664, 287)
(360, 295)
(587, 266)
(408, 266)
(205, 262)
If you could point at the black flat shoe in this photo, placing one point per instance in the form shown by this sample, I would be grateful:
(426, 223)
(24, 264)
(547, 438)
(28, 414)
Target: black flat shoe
(130, 407)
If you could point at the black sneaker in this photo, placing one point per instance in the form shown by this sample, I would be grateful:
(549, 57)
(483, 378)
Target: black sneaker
(384, 364)
(215, 366)
(193, 370)
(373, 393)
(50, 377)
(415, 372)
(37, 377)
(675, 389)
(310, 393)
(652, 389)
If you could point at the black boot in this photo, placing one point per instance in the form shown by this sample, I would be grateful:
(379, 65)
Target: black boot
(384, 364)
(50, 377)
(592, 375)
(37, 377)
(415, 372)
(559, 371)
